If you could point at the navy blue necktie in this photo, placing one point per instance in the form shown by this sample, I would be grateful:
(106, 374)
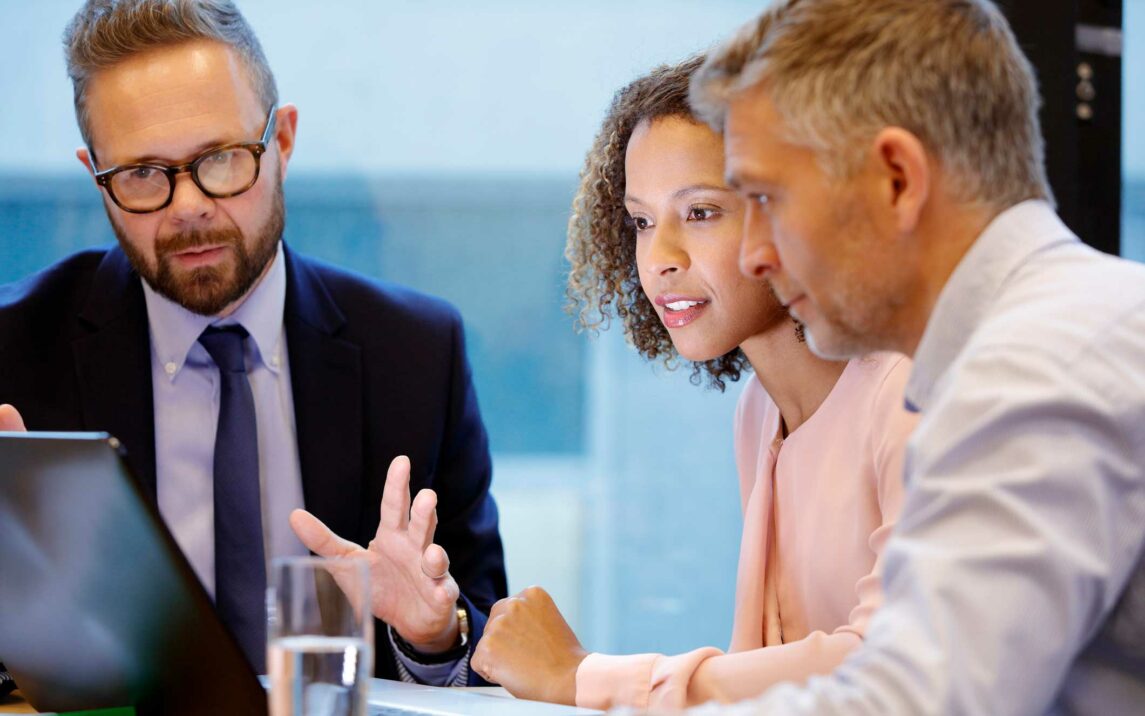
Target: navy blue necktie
(240, 566)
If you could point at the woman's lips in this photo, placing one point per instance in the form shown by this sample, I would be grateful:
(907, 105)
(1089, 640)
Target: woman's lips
(679, 312)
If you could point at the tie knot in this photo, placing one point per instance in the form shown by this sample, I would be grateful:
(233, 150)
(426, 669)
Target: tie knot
(226, 347)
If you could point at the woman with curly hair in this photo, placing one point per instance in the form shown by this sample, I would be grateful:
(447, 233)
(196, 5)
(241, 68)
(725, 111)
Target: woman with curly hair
(654, 240)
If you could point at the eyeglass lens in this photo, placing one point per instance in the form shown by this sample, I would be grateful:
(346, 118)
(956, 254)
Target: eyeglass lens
(223, 172)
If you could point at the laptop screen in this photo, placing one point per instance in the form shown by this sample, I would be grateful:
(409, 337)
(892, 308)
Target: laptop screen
(98, 607)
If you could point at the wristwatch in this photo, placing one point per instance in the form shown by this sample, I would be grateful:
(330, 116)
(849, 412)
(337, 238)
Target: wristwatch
(446, 656)
(463, 623)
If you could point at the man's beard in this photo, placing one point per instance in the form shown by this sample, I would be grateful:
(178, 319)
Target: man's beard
(208, 290)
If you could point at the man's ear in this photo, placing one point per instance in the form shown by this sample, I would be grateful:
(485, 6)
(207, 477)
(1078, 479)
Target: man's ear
(904, 174)
(287, 125)
(84, 156)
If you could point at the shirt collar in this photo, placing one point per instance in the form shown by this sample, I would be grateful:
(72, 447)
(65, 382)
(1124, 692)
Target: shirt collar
(175, 330)
(1007, 242)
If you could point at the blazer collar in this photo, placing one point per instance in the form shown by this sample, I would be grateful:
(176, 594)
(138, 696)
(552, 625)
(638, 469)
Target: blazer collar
(326, 373)
(307, 299)
(112, 357)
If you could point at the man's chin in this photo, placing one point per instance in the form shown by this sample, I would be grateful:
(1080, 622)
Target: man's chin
(831, 344)
(206, 291)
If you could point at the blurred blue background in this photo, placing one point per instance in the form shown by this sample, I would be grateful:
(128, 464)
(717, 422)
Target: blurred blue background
(439, 144)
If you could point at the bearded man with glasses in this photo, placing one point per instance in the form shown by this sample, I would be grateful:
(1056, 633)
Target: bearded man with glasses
(218, 173)
(350, 393)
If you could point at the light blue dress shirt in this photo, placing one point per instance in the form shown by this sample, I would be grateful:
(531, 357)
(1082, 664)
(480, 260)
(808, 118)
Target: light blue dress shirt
(1015, 579)
(186, 387)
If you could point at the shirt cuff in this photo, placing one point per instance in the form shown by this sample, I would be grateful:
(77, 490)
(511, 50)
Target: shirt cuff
(449, 673)
(604, 681)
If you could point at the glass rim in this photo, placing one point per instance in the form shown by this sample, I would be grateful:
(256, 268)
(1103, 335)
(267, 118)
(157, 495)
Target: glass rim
(316, 561)
(105, 178)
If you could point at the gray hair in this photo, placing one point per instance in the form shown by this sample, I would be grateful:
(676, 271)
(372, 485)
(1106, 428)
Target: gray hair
(838, 71)
(106, 32)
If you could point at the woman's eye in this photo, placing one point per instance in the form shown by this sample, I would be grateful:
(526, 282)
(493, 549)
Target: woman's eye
(701, 213)
(640, 223)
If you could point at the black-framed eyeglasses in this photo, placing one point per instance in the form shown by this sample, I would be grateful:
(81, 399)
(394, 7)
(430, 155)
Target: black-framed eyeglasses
(219, 172)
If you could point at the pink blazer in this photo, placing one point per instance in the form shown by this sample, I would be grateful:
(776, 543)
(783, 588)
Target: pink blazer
(818, 508)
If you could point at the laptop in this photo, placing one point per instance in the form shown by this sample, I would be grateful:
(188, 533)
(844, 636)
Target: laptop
(99, 607)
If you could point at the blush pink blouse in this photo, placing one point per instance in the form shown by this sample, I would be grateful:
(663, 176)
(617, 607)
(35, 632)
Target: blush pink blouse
(818, 507)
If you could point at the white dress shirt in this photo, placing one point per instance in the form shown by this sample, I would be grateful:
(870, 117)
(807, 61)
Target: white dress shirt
(1015, 580)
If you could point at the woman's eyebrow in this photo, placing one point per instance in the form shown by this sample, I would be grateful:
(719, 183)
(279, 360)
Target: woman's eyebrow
(692, 189)
(683, 191)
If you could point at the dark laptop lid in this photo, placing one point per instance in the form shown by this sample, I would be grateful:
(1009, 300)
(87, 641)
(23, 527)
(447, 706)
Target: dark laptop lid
(98, 606)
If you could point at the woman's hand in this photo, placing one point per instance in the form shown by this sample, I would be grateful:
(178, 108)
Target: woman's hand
(529, 649)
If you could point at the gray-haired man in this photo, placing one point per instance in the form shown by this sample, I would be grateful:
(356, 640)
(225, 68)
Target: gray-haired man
(893, 158)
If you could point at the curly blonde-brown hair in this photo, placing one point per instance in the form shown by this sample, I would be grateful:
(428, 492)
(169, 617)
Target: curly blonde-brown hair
(603, 279)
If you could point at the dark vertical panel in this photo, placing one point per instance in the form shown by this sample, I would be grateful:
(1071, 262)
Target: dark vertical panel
(1045, 30)
(1099, 138)
(1083, 147)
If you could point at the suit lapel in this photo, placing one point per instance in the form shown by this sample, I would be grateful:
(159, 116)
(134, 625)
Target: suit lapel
(326, 372)
(112, 357)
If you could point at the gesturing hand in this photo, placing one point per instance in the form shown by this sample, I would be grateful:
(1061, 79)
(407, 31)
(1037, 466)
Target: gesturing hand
(410, 585)
(529, 648)
(10, 420)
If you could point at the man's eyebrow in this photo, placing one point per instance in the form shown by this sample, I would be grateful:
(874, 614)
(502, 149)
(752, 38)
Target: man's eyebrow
(194, 153)
(736, 182)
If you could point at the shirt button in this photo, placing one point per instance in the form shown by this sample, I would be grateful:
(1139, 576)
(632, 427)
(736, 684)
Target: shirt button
(274, 361)
(170, 368)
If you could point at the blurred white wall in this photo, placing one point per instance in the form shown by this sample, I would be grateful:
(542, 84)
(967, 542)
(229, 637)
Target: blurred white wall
(400, 85)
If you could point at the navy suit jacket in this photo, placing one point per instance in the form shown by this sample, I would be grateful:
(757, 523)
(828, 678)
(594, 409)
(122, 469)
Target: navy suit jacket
(377, 371)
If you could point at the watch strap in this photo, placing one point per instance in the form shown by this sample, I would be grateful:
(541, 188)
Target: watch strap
(454, 654)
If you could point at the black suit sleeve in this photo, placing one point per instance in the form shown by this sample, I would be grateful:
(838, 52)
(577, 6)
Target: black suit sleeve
(7, 685)
(467, 515)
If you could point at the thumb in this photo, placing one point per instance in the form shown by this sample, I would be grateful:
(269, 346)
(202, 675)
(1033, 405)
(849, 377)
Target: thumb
(317, 537)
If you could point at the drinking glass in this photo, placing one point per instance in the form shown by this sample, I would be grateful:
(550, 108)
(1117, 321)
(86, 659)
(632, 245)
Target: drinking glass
(320, 635)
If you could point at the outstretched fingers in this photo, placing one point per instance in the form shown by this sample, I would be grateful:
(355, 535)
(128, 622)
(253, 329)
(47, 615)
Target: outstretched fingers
(395, 495)
(318, 538)
(435, 565)
(10, 420)
(423, 518)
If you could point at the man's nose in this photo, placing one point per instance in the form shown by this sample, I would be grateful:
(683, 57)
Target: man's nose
(757, 254)
(188, 202)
